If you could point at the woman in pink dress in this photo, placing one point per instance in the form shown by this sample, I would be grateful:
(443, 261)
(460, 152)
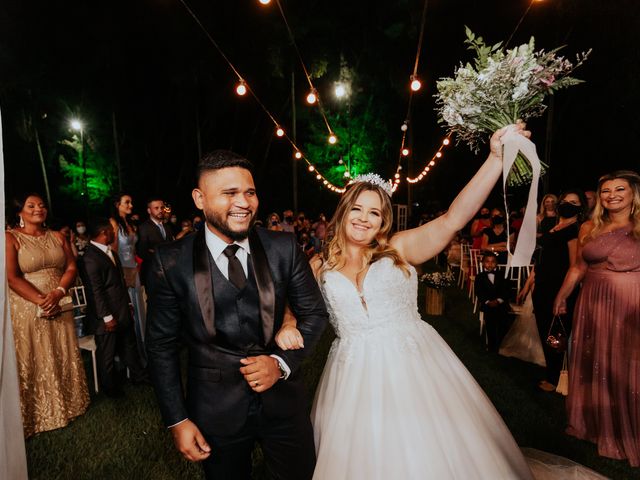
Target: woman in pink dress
(603, 405)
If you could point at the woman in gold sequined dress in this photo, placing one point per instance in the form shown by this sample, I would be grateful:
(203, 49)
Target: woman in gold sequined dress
(40, 270)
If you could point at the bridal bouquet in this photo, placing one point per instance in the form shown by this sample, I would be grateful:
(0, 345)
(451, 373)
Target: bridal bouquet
(499, 88)
(438, 279)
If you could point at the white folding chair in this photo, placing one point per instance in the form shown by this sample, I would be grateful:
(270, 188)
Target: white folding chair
(86, 342)
(464, 264)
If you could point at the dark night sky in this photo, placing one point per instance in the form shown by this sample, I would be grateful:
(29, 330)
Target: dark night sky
(146, 62)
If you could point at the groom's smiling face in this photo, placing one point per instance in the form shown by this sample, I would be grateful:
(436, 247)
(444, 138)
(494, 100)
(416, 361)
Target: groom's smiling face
(227, 197)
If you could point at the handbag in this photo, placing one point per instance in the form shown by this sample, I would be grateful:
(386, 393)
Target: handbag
(563, 381)
(557, 336)
(130, 274)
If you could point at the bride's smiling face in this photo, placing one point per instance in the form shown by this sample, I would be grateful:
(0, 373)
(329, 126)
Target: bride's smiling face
(364, 220)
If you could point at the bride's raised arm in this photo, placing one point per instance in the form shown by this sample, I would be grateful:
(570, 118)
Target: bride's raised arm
(419, 244)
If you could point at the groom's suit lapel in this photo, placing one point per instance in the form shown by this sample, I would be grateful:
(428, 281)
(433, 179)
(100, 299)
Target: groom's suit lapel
(264, 281)
(202, 280)
(204, 289)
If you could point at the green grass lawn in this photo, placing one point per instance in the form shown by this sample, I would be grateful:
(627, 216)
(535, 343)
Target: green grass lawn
(125, 439)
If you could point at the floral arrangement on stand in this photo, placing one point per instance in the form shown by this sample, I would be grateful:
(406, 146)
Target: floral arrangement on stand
(498, 88)
(438, 280)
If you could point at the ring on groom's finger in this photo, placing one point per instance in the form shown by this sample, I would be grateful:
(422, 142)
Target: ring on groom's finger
(256, 384)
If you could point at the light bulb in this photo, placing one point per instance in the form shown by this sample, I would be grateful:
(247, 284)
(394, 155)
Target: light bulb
(405, 152)
(415, 84)
(265, 2)
(340, 91)
(439, 154)
(241, 88)
(318, 177)
(311, 168)
(347, 174)
(432, 163)
(332, 139)
(446, 141)
(280, 132)
(312, 97)
(397, 175)
(298, 155)
(404, 127)
(325, 182)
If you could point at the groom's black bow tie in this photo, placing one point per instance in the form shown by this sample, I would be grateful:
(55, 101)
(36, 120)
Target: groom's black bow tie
(236, 272)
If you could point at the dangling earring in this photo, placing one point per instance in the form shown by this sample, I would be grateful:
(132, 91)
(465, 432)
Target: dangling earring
(21, 223)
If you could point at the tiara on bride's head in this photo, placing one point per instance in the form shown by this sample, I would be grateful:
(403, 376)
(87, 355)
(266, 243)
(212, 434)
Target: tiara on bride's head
(375, 179)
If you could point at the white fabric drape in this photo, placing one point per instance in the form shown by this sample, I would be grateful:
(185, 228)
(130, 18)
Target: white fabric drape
(13, 461)
(514, 143)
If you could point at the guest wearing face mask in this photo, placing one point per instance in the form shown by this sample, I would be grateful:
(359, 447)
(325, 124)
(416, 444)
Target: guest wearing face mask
(495, 238)
(81, 239)
(559, 247)
(288, 225)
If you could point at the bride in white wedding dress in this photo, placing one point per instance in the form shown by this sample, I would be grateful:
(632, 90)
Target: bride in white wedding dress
(394, 402)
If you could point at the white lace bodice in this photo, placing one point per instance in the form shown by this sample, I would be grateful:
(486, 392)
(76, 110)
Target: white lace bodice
(390, 297)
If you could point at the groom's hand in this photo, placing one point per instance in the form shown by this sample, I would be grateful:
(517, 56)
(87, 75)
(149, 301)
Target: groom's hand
(260, 372)
(190, 442)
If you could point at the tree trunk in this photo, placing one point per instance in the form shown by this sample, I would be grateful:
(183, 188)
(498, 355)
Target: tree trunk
(44, 170)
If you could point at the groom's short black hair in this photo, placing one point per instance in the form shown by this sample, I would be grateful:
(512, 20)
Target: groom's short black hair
(219, 159)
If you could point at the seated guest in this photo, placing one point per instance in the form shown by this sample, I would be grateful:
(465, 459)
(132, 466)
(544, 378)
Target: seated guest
(492, 290)
(109, 315)
(494, 238)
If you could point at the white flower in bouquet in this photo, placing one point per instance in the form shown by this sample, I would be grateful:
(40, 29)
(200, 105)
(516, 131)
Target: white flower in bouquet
(500, 87)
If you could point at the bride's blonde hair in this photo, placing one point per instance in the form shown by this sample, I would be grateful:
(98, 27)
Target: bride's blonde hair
(600, 216)
(333, 254)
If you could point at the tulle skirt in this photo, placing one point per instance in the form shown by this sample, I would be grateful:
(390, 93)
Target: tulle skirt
(396, 403)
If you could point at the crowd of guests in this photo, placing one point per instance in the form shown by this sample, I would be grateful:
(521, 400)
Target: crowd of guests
(586, 272)
(109, 256)
(584, 285)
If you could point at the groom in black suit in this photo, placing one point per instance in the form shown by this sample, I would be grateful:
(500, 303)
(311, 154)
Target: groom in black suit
(223, 292)
(108, 308)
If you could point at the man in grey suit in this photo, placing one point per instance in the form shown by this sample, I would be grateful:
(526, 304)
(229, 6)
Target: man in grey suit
(151, 233)
(108, 309)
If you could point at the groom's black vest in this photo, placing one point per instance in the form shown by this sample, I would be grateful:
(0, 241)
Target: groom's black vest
(238, 325)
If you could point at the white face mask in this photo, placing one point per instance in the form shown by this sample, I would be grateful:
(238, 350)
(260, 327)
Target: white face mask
(81, 230)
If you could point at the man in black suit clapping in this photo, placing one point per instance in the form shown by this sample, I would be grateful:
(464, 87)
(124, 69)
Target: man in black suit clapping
(492, 290)
(108, 309)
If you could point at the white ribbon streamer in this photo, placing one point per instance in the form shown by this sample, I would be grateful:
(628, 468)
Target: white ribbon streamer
(513, 143)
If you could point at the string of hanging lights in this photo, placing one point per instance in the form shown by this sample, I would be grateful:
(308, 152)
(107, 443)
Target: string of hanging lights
(242, 88)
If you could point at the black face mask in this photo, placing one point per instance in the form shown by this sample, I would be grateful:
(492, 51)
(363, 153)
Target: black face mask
(497, 220)
(568, 210)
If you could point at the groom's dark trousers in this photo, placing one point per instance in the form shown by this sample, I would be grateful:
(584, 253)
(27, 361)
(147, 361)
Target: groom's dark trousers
(191, 301)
